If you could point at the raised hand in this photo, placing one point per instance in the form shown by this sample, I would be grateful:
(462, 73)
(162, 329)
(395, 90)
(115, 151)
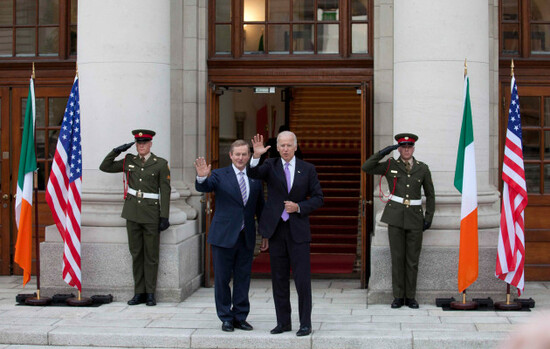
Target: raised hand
(203, 170)
(388, 149)
(123, 147)
(258, 145)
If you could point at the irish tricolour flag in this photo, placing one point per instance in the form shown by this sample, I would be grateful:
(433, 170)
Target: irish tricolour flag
(465, 182)
(23, 201)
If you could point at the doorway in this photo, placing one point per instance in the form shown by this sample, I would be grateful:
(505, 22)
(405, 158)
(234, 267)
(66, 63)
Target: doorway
(331, 124)
(50, 106)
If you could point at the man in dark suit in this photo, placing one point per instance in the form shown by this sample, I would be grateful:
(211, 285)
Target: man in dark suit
(293, 193)
(146, 209)
(406, 177)
(232, 232)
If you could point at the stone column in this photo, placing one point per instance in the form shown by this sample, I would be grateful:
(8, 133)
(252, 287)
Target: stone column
(124, 68)
(430, 42)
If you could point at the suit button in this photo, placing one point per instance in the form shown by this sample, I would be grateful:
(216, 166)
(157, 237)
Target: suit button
(408, 185)
(142, 168)
(140, 179)
(407, 195)
(139, 201)
(408, 175)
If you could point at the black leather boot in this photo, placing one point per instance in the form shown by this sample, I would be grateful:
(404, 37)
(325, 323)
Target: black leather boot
(137, 299)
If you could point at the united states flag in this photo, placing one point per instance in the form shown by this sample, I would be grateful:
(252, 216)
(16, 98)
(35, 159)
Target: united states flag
(64, 188)
(511, 241)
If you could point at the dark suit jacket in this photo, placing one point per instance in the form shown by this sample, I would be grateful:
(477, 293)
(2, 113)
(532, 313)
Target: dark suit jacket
(229, 210)
(306, 192)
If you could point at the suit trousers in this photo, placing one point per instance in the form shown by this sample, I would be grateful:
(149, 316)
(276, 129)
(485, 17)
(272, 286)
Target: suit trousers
(405, 247)
(237, 262)
(144, 243)
(284, 254)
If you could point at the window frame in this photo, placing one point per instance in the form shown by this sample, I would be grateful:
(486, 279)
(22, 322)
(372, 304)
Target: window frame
(237, 43)
(64, 26)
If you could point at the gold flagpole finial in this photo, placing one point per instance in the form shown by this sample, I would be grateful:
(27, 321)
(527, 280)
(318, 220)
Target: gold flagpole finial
(76, 67)
(32, 75)
(512, 68)
(465, 67)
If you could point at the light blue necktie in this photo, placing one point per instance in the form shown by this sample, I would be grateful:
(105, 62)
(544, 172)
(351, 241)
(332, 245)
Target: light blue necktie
(242, 186)
(285, 215)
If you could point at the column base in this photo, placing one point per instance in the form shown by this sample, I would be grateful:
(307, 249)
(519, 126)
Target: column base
(107, 264)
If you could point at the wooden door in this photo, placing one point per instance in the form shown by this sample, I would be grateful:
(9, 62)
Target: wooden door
(212, 157)
(535, 120)
(50, 106)
(5, 196)
(366, 185)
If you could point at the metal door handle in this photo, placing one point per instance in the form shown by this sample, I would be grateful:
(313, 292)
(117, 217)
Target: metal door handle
(5, 197)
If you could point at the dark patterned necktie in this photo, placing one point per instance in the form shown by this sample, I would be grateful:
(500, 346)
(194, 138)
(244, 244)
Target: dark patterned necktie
(408, 166)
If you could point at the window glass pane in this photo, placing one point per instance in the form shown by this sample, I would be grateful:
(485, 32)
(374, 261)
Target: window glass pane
(6, 42)
(540, 10)
(532, 178)
(52, 142)
(359, 37)
(223, 10)
(40, 144)
(510, 38)
(540, 38)
(279, 38)
(40, 111)
(73, 41)
(25, 12)
(48, 41)
(302, 35)
(6, 12)
(530, 110)
(74, 11)
(41, 175)
(327, 38)
(510, 10)
(531, 145)
(254, 10)
(48, 12)
(223, 38)
(546, 112)
(359, 10)
(327, 10)
(303, 10)
(546, 178)
(253, 38)
(24, 42)
(56, 109)
(279, 10)
(546, 145)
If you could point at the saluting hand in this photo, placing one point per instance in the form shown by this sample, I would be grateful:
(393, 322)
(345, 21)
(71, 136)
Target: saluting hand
(258, 146)
(203, 170)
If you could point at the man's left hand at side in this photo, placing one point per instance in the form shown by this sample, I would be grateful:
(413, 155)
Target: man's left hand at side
(163, 224)
(426, 226)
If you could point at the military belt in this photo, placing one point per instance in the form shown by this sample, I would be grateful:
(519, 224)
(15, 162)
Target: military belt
(139, 194)
(406, 201)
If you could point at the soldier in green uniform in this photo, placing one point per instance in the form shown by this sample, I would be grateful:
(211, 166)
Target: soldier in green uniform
(403, 213)
(146, 208)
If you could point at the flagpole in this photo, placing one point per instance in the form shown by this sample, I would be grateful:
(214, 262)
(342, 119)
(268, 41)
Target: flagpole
(36, 300)
(507, 305)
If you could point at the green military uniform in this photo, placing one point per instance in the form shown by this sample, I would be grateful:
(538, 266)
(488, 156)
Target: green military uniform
(146, 202)
(405, 219)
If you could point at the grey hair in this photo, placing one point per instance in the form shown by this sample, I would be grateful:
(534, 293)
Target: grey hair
(287, 133)
(239, 143)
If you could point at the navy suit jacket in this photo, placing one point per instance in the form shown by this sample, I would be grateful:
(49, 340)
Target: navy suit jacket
(306, 192)
(230, 210)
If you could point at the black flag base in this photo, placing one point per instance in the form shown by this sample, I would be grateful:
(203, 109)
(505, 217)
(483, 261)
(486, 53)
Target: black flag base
(506, 305)
(464, 304)
(79, 301)
(38, 300)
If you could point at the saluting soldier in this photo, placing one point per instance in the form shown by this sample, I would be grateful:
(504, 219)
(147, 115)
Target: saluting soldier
(146, 208)
(403, 213)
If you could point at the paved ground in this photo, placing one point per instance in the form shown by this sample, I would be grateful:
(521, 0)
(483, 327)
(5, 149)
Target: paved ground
(341, 319)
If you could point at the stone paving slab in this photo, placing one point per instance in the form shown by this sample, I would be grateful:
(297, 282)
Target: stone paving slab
(452, 340)
(116, 337)
(360, 340)
(254, 339)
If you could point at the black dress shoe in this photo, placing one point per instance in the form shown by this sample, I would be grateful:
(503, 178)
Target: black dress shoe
(280, 329)
(397, 303)
(411, 302)
(151, 299)
(304, 331)
(242, 325)
(227, 326)
(137, 299)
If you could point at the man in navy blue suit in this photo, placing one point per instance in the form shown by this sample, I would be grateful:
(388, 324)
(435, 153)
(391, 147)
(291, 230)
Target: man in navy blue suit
(232, 232)
(293, 193)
